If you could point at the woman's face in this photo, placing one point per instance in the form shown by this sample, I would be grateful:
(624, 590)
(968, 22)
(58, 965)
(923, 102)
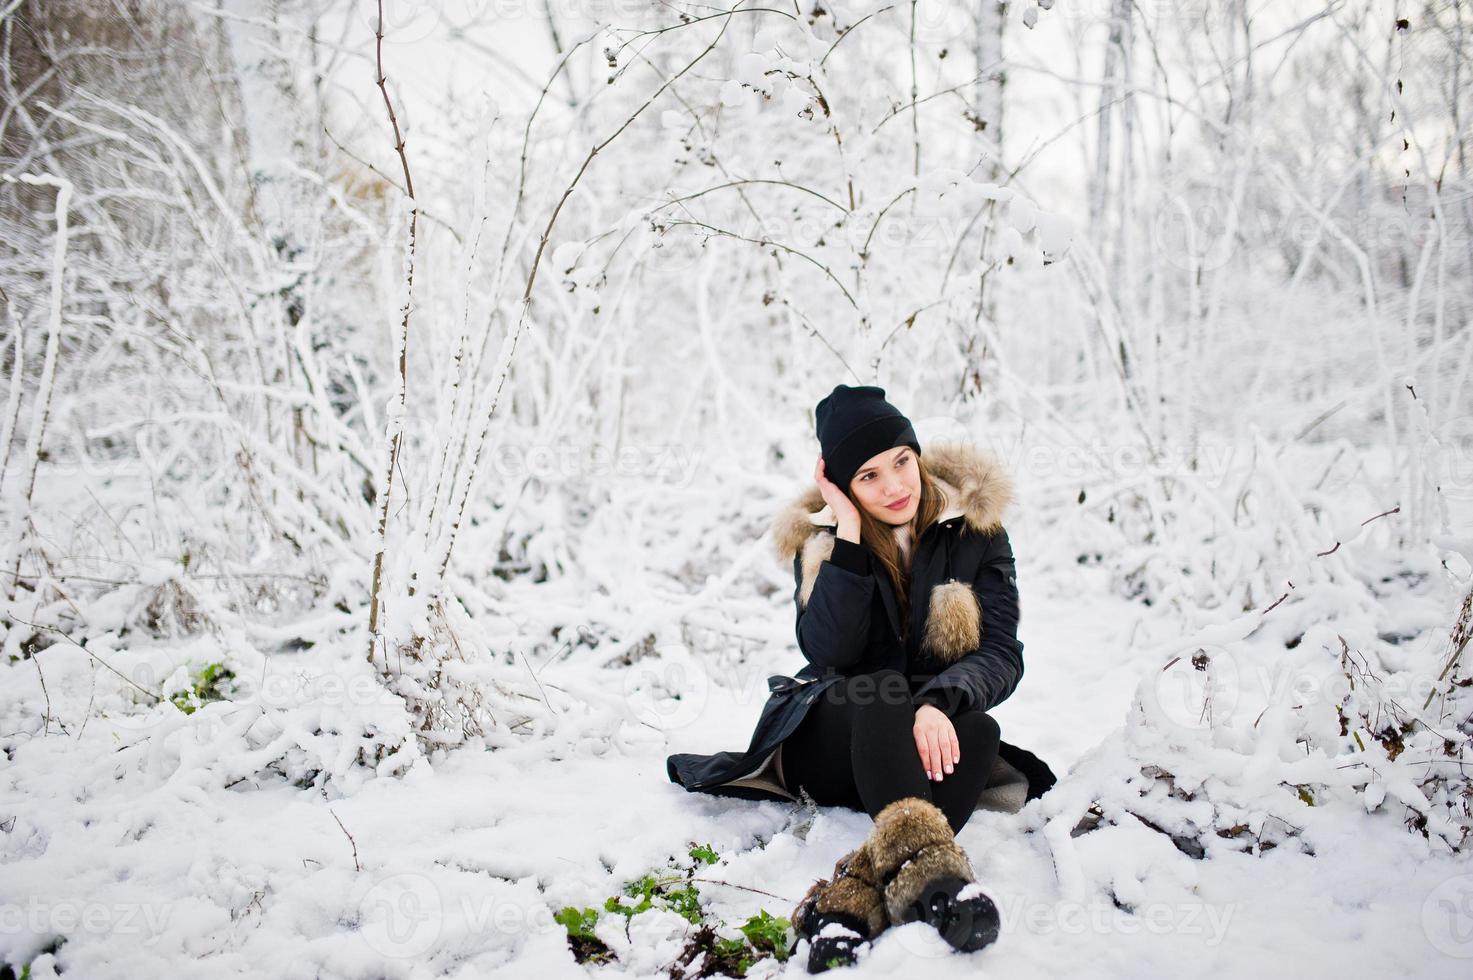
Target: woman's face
(892, 477)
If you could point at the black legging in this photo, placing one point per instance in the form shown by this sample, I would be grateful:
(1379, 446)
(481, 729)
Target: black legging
(855, 748)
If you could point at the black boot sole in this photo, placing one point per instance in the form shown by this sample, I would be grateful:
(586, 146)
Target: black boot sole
(829, 952)
(966, 924)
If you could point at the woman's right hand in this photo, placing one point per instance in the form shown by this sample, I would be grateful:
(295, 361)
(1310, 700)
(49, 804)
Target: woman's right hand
(845, 513)
(936, 741)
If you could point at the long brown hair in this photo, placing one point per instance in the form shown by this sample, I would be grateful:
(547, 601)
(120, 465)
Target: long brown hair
(879, 537)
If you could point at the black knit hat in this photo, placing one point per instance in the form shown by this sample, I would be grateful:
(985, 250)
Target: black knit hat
(855, 424)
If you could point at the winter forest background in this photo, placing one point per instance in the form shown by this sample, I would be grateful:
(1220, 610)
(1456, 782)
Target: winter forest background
(395, 401)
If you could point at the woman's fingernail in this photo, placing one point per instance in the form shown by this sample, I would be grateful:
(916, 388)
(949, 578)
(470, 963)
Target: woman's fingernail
(948, 769)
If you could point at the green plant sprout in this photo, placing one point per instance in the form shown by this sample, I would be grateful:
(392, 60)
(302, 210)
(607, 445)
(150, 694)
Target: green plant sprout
(204, 688)
(673, 888)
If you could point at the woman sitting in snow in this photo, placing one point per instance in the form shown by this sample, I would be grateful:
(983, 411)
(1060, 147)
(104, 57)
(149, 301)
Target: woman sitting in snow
(907, 612)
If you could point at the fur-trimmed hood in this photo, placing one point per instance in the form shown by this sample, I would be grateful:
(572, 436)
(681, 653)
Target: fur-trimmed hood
(976, 484)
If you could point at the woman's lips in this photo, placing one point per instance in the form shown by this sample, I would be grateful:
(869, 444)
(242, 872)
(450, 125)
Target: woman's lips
(899, 504)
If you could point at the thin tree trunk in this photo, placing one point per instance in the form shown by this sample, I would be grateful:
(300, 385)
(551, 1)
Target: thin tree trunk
(988, 93)
(41, 410)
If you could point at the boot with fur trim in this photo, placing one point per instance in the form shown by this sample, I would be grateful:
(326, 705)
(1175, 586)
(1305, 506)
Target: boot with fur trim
(842, 913)
(924, 874)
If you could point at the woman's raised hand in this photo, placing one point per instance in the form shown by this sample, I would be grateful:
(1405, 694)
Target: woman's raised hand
(845, 513)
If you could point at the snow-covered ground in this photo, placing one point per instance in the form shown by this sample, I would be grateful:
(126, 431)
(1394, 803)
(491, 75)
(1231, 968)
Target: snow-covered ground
(121, 836)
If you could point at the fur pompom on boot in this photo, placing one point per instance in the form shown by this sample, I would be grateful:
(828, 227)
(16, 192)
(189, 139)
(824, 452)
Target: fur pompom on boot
(924, 874)
(842, 913)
